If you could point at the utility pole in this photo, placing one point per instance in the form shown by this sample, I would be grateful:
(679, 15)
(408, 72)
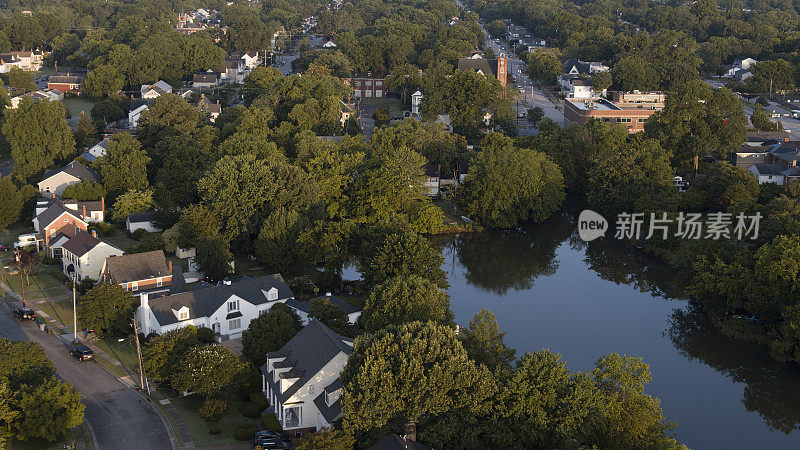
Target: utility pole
(770, 88)
(74, 313)
(138, 354)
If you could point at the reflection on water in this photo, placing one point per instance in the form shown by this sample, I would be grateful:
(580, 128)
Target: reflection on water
(550, 289)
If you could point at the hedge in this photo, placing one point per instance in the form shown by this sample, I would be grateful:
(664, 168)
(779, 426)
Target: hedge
(271, 422)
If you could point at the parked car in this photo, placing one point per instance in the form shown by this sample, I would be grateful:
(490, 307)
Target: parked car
(5, 247)
(23, 313)
(270, 440)
(25, 240)
(82, 352)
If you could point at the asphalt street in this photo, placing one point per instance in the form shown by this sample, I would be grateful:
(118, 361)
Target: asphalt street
(119, 417)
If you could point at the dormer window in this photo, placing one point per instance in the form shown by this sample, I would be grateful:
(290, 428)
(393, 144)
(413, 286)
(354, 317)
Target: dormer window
(233, 305)
(134, 286)
(272, 294)
(183, 315)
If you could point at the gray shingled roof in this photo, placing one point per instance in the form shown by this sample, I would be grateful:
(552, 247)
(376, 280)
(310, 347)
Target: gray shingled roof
(313, 348)
(205, 301)
(53, 212)
(137, 266)
(141, 217)
(583, 67)
(81, 243)
(204, 78)
(768, 169)
(75, 169)
(330, 413)
(487, 66)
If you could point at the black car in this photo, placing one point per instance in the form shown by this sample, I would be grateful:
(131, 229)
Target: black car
(270, 440)
(82, 352)
(24, 314)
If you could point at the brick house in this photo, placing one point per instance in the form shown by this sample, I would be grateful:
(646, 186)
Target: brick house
(367, 87)
(148, 272)
(632, 112)
(56, 223)
(65, 83)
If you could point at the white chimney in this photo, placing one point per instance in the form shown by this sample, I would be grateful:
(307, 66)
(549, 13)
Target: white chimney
(328, 294)
(144, 319)
(143, 300)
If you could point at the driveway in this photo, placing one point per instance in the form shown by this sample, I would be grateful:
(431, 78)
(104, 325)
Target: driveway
(119, 417)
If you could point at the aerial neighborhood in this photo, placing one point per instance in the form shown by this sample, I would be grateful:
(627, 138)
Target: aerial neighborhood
(399, 225)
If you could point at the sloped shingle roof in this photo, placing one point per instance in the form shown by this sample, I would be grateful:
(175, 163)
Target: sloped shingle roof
(81, 243)
(75, 169)
(137, 266)
(306, 306)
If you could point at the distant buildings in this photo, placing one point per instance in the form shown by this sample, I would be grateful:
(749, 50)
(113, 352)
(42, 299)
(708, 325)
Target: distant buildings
(55, 181)
(367, 87)
(65, 83)
(630, 109)
(740, 70)
(496, 68)
(29, 61)
(49, 95)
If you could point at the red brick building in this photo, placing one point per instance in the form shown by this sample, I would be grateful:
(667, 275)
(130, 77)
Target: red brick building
(367, 87)
(630, 110)
(65, 83)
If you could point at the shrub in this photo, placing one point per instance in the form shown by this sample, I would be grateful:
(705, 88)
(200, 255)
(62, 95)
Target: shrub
(259, 399)
(270, 421)
(205, 335)
(84, 286)
(250, 409)
(51, 261)
(245, 433)
(138, 234)
(61, 277)
(103, 229)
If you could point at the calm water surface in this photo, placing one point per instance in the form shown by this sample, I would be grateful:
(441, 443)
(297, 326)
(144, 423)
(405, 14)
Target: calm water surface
(550, 290)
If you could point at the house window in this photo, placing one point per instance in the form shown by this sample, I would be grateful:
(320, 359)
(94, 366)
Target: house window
(66, 220)
(233, 305)
(273, 295)
(184, 315)
(135, 286)
(77, 230)
(234, 324)
(158, 282)
(310, 388)
(47, 189)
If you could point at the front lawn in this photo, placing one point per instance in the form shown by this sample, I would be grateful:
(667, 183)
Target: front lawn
(77, 105)
(120, 240)
(124, 352)
(230, 422)
(60, 311)
(42, 285)
(11, 234)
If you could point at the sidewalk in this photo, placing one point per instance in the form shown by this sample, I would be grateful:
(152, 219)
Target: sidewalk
(180, 424)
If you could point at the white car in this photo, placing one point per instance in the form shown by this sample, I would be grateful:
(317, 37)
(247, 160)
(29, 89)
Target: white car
(25, 240)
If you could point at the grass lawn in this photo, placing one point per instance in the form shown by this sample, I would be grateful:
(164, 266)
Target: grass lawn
(76, 105)
(230, 422)
(124, 352)
(395, 105)
(120, 240)
(38, 444)
(42, 285)
(116, 370)
(60, 310)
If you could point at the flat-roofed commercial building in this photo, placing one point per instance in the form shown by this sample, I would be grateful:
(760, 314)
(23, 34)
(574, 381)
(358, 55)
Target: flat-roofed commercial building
(632, 111)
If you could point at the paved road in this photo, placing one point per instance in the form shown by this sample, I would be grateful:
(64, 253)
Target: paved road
(119, 417)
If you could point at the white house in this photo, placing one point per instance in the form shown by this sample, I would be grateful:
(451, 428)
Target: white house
(432, 179)
(740, 69)
(96, 151)
(226, 308)
(137, 108)
(301, 380)
(55, 181)
(329, 44)
(142, 220)
(303, 309)
(576, 87)
(83, 255)
(416, 100)
(767, 173)
(151, 91)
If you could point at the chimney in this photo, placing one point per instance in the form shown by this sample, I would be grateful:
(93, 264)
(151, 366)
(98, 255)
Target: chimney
(94, 234)
(411, 432)
(103, 204)
(143, 300)
(169, 266)
(84, 213)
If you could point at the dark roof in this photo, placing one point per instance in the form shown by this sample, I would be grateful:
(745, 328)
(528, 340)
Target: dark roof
(141, 217)
(137, 266)
(137, 102)
(330, 413)
(768, 169)
(333, 387)
(56, 238)
(763, 136)
(75, 169)
(583, 67)
(395, 442)
(787, 151)
(487, 66)
(581, 82)
(432, 170)
(81, 243)
(206, 300)
(64, 79)
(204, 78)
(313, 348)
(53, 212)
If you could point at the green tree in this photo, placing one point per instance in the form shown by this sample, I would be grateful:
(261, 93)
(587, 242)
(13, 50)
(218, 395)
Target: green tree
(24, 363)
(404, 253)
(213, 257)
(196, 223)
(601, 81)
(352, 126)
(508, 185)
(276, 246)
(409, 373)
(20, 79)
(269, 332)
(381, 117)
(47, 410)
(404, 299)
(207, 369)
(102, 81)
(212, 410)
(545, 66)
(331, 315)
(132, 202)
(39, 136)
(761, 120)
(84, 191)
(485, 343)
(11, 202)
(327, 438)
(162, 354)
(124, 166)
(106, 308)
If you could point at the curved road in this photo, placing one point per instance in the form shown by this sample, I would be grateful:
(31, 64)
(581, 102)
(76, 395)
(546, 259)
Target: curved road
(119, 417)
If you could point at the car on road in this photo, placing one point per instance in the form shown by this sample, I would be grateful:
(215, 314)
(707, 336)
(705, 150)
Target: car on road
(82, 352)
(270, 440)
(23, 313)
(795, 114)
